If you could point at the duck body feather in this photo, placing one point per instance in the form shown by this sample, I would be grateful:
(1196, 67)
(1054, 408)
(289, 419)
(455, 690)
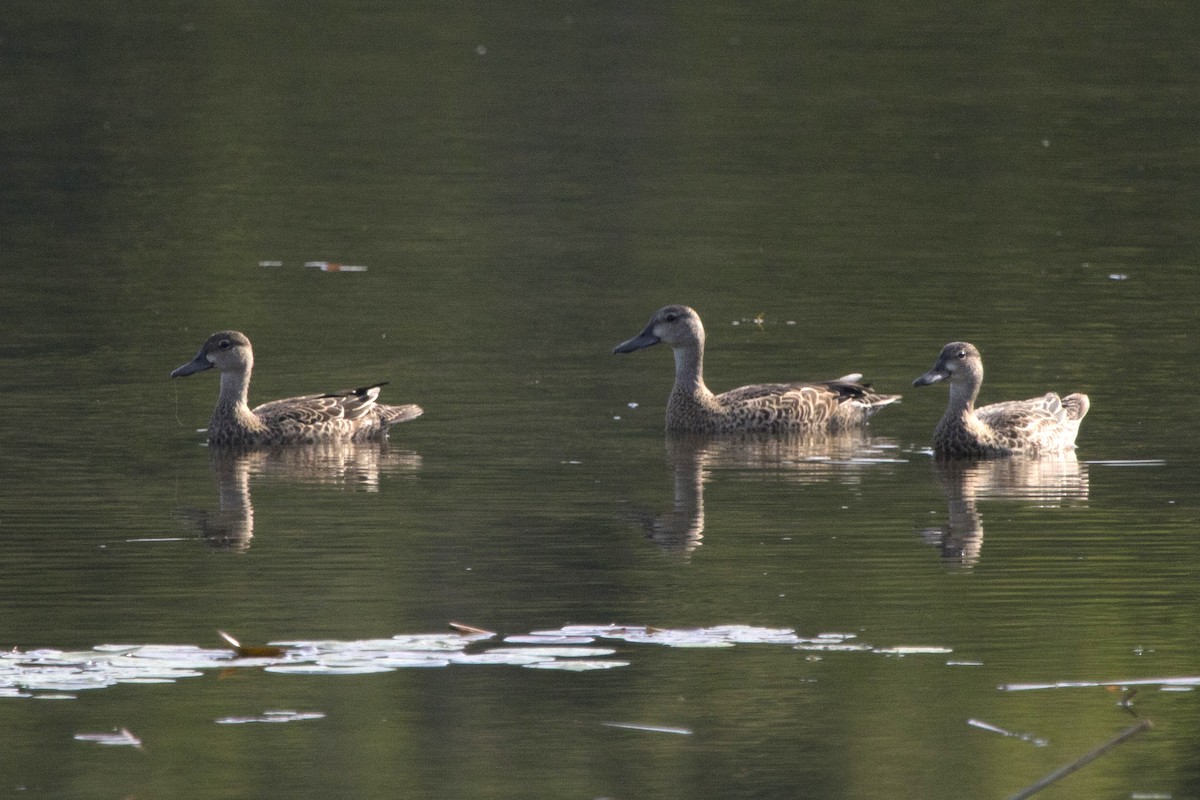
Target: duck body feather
(775, 408)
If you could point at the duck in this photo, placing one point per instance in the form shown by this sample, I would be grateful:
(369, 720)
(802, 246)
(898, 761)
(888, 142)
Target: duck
(811, 408)
(1046, 424)
(349, 415)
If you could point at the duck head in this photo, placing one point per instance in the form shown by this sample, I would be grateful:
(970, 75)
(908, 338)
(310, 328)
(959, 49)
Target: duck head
(677, 326)
(959, 362)
(228, 351)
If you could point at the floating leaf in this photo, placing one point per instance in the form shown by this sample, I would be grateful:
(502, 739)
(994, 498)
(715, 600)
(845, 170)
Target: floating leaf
(1190, 681)
(910, 650)
(401, 662)
(554, 652)
(272, 717)
(328, 669)
(506, 659)
(118, 738)
(576, 666)
(251, 651)
(833, 647)
(1025, 737)
(329, 266)
(651, 728)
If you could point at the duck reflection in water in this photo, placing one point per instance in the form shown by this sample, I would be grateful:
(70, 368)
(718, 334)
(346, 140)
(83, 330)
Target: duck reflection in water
(1050, 481)
(347, 465)
(815, 458)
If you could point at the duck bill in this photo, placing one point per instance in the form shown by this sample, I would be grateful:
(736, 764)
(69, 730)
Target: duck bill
(933, 376)
(197, 364)
(644, 339)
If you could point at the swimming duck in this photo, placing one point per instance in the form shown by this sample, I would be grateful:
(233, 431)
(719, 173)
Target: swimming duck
(351, 415)
(766, 407)
(1045, 424)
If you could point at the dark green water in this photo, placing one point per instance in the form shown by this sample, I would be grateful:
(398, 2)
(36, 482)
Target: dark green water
(525, 183)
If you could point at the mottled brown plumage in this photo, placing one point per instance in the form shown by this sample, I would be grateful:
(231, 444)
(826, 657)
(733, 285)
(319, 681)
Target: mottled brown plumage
(766, 407)
(350, 415)
(1046, 424)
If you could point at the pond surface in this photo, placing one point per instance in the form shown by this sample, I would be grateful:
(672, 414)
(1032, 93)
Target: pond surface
(509, 190)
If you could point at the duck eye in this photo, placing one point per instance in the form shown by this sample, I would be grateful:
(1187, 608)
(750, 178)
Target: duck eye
(962, 353)
(671, 317)
(224, 344)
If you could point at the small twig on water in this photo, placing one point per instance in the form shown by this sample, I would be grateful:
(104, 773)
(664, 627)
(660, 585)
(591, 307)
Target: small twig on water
(470, 630)
(1083, 760)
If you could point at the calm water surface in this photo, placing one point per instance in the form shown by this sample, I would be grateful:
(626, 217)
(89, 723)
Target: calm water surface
(524, 184)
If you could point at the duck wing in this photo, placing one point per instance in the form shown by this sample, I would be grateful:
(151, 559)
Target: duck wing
(319, 409)
(1026, 420)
